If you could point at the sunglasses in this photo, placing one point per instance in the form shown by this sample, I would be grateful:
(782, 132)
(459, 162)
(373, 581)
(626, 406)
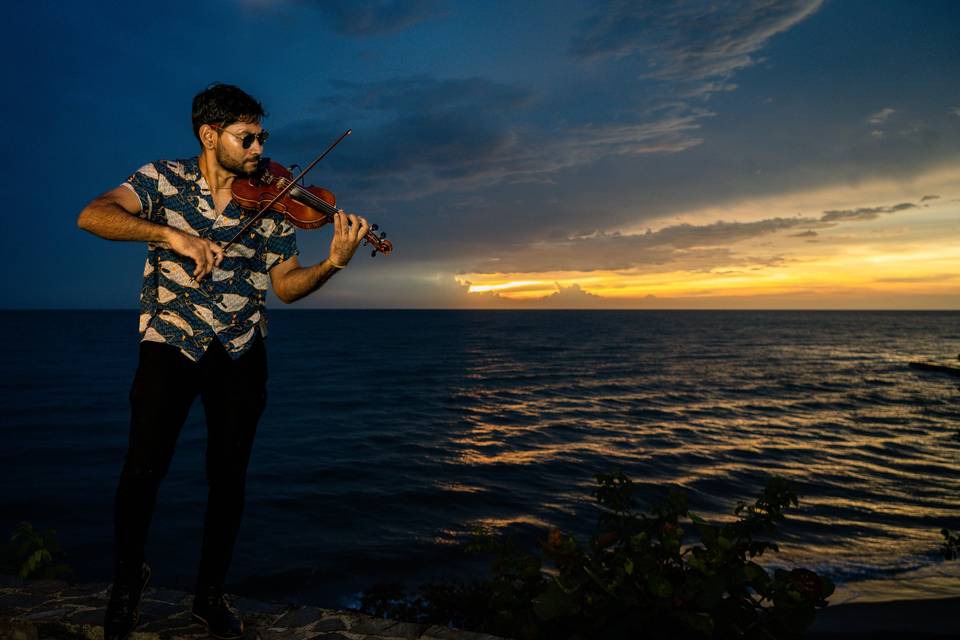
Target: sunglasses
(246, 140)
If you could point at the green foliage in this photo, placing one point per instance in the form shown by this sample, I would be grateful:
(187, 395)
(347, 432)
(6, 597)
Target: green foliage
(951, 544)
(666, 574)
(32, 554)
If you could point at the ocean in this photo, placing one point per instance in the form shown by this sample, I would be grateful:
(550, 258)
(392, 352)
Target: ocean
(390, 435)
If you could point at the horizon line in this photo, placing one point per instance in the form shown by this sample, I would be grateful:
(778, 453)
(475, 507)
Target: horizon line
(672, 309)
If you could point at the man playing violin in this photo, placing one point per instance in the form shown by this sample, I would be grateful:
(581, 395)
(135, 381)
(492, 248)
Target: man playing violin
(202, 325)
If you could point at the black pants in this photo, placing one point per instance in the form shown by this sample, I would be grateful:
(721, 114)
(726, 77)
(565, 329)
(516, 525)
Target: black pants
(164, 387)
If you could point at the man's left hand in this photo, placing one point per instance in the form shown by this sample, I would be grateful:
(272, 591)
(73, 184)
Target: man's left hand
(348, 232)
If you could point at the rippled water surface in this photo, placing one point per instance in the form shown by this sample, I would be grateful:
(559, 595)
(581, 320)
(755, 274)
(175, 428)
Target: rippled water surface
(390, 434)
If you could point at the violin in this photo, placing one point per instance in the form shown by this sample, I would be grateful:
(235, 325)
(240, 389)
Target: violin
(273, 188)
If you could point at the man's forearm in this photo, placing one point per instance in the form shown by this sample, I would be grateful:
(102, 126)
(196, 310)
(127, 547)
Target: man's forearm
(107, 219)
(303, 281)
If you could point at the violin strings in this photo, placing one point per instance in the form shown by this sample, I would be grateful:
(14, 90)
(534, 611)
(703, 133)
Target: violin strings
(312, 199)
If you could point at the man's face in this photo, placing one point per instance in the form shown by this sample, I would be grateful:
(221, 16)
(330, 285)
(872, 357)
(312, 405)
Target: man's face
(230, 152)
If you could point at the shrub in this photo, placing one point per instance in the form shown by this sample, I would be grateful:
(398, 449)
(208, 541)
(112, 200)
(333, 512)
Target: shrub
(31, 554)
(666, 574)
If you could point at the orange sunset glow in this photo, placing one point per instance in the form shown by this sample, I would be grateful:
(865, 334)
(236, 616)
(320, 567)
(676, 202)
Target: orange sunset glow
(879, 245)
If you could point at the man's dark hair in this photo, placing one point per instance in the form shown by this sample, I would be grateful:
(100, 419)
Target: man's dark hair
(222, 105)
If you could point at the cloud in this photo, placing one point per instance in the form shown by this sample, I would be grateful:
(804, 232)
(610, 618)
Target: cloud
(684, 246)
(937, 277)
(689, 247)
(426, 134)
(421, 93)
(375, 17)
(881, 116)
(724, 233)
(930, 197)
(863, 213)
(688, 40)
(571, 296)
(431, 134)
(599, 149)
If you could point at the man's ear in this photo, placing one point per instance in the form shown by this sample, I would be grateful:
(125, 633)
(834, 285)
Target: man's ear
(208, 136)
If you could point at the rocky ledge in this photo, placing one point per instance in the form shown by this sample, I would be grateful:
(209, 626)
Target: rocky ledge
(59, 610)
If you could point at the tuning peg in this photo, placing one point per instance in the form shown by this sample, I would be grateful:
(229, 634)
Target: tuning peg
(375, 227)
(373, 254)
(383, 234)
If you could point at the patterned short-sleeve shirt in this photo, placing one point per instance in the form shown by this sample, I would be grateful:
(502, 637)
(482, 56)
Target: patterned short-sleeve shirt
(226, 305)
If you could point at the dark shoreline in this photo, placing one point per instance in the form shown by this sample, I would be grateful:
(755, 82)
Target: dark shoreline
(54, 608)
(907, 619)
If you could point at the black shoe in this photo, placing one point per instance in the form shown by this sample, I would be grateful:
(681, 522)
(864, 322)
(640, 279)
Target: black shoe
(212, 610)
(123, 611)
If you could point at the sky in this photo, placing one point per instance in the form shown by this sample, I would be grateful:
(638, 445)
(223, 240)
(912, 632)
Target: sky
(638, 155)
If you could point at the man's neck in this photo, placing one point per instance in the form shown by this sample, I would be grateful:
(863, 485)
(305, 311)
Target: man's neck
(218, 178)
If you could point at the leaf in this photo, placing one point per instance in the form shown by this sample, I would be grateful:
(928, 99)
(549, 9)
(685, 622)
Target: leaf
(708, 534)
(596, 579)
(659, 586)
(697, 564)
(554, 602)
(639, 539)
(36, 559)
(701, 622)
(756, 575)
(826, 588)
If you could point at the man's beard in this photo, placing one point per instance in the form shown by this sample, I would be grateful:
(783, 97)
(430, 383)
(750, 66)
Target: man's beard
(231, 165)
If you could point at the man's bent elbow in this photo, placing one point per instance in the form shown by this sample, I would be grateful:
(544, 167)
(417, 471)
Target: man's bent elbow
(84, 219)
(283, 297)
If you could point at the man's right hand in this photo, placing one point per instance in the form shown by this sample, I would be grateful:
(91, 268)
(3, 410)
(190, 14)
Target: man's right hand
(206, 254)
(117, 215)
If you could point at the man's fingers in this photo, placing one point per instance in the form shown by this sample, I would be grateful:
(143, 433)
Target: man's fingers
(356, 228)
(200, 259)
(364, 227)
(207, 255)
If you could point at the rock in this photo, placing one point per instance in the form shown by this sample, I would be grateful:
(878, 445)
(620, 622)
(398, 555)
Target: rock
(45, 586)
(299, 617)
(329, 624)
(54, 609)
(369, 625)
(411, 630)
(256, 606)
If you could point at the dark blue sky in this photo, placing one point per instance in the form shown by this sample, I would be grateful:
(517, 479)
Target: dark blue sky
(521, 148)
